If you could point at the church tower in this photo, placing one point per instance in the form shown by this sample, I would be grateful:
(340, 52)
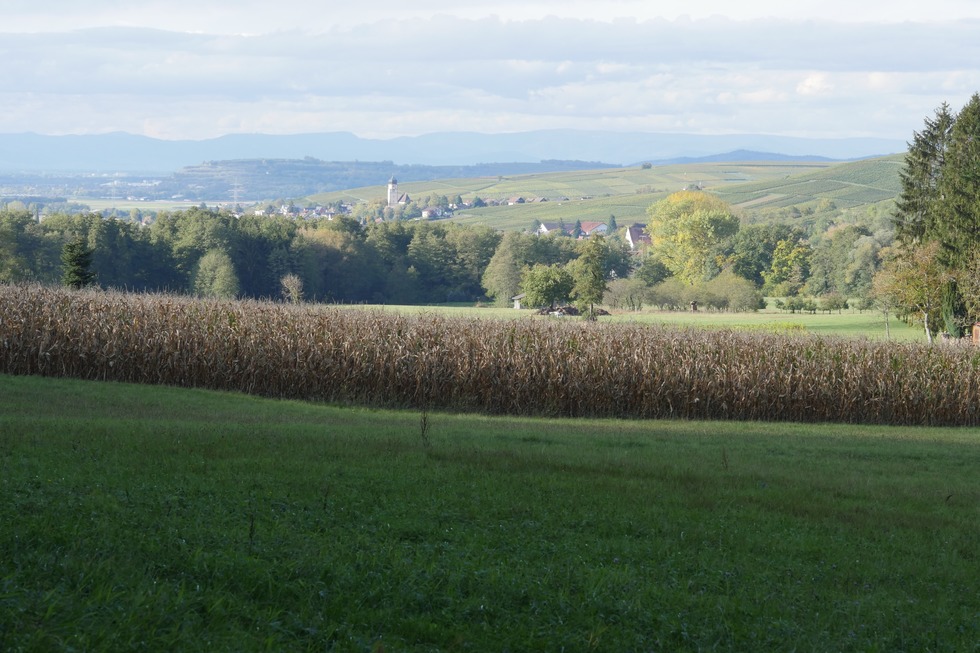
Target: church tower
(392, 191)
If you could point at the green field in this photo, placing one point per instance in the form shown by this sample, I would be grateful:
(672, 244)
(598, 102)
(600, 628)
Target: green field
(99, 204)
(155, 518)
(848, 185)
(588, 195)
(628, 192)
(850, 323)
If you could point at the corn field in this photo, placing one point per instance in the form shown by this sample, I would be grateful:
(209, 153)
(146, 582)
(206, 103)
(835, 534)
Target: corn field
(524, 366)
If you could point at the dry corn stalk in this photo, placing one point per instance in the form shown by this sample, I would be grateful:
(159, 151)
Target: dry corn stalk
(521, 367)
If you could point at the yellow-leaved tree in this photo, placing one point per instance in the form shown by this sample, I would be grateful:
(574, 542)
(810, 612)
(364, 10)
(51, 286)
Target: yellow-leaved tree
(687, 229)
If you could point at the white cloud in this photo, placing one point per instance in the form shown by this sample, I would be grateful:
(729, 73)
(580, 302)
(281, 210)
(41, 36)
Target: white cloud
(378, 69)
(815, 84)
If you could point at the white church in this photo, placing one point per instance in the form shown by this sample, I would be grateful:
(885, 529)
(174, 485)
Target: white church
(393, 196)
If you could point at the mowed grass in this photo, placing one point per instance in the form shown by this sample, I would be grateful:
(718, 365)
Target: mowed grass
(156, 518)
(850, 324)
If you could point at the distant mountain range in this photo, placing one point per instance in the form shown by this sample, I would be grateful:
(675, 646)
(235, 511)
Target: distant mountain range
(129, 153)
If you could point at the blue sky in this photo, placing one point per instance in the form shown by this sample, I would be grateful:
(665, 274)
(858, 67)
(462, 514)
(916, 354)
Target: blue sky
(192, 70)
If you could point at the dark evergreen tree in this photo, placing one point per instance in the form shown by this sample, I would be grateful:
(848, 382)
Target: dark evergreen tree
(940, 197)
(76, 264)
(957, 226)
(919, 202)
(953, 309)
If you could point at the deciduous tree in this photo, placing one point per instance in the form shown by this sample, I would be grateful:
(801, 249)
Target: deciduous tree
(790, 268)
(590, 273)
(687, 230)
(215, 276)
(914, 277)
(545, 285)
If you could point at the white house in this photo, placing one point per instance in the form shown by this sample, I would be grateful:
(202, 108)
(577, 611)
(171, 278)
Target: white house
(636, 235)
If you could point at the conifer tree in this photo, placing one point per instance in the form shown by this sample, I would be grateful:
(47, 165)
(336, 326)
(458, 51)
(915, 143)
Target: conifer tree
(76, 263)
(958, 226)
(940, 198)
(918, 203)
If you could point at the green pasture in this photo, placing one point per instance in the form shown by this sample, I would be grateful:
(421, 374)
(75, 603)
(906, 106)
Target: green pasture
(850, 323)
(99, 204)
(157, 518)
(628, 209)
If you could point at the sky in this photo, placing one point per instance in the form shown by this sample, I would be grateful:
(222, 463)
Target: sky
(197, 69)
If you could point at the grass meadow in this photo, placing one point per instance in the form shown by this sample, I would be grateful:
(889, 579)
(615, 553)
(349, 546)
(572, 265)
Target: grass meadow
(869, 325)
(159, 518)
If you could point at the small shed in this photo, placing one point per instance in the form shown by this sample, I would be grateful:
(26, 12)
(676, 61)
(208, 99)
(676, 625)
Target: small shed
(517, 300)
(976, 334)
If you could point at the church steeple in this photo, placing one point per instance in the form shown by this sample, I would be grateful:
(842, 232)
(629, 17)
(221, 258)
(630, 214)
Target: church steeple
(392, 191)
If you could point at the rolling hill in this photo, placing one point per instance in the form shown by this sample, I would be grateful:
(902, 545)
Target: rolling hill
(756, 188)
(848, 185)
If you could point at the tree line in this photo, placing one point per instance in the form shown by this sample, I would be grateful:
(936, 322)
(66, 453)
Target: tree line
(933, 271)
(212, 252)
(700, 252)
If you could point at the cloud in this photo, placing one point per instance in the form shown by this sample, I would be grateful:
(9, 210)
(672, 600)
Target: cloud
(430, 72)
(815, 84)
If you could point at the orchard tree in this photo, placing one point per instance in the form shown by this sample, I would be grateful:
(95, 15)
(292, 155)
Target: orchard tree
(546, 285)
(630, 293)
